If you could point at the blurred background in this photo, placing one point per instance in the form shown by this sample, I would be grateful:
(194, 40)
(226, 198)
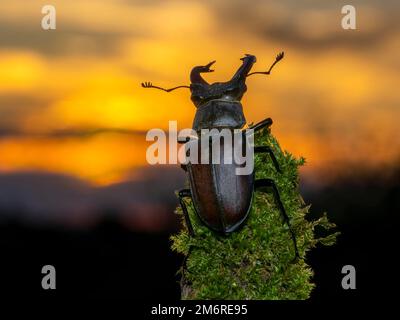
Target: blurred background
(75, 188)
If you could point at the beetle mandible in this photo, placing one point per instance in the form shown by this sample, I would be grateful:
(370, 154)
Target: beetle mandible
(221, 198)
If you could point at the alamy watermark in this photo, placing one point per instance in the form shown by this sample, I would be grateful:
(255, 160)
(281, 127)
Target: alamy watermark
(349, 18)
(207, 146)
(49, 278)
(349, 280)
(49, 20)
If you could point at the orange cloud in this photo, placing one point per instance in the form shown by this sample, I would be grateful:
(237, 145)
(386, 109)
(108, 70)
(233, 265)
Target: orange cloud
(100, 159)
(329, 102)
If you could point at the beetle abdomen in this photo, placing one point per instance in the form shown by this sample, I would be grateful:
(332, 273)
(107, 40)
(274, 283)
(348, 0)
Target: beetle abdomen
(221, 197)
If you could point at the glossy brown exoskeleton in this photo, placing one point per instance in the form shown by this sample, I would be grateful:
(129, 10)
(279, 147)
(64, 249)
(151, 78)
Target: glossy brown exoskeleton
(222, 198)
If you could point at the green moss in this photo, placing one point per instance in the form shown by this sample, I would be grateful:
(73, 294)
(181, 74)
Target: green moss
(257, 261)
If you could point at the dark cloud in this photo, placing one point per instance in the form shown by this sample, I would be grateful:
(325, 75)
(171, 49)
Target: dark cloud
(259, 17)
(265, 19)
(143, 3)
(67, 133)
(15, 107)
(60, 199)
(65, 40)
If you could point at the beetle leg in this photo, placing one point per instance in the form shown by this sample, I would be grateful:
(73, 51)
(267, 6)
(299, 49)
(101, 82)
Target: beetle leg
(185, 193)
(271, 183)
(266, 149)
(262, 124)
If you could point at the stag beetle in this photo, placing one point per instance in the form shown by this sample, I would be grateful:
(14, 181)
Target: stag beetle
(221, 198)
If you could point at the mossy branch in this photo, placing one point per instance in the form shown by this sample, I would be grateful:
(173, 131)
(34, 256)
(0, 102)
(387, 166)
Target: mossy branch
(257, 261)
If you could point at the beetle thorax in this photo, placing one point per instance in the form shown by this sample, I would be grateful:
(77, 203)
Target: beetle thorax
(227, 91)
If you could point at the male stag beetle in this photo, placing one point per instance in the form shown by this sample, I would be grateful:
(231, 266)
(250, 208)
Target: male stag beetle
(221, 198)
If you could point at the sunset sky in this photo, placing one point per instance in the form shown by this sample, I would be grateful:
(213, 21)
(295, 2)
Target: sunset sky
(71, 101)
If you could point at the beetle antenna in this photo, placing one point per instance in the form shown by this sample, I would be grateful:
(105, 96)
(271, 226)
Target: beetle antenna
(278, 58)
(150, 85)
